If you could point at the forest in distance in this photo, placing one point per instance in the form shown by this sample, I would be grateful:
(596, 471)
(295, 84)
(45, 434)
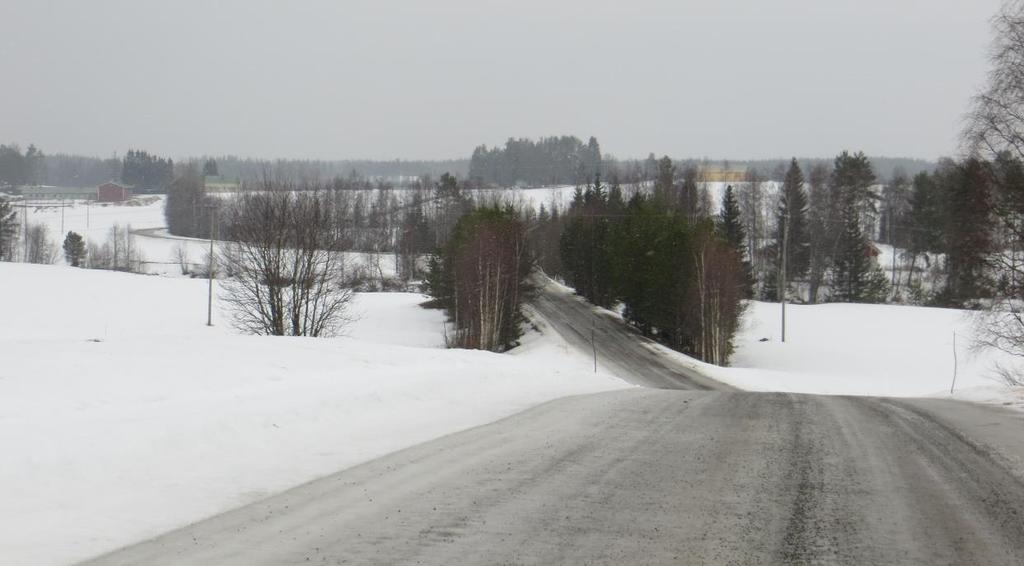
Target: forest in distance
(553, 160)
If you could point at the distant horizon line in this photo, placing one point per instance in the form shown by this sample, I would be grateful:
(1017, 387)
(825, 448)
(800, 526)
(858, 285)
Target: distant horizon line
(187, 158)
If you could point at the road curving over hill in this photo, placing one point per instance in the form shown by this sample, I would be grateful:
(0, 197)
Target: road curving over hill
(620, 347)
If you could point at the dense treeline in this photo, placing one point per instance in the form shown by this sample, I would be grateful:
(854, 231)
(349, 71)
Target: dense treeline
(139, 168)
(775, 169)
(145, 172)
(68, 170)
(811, 238)
(680, 276)
(961, 219)
(561, 160)
(18, 167)
(241, 169)
(62, 170)
(547, 161)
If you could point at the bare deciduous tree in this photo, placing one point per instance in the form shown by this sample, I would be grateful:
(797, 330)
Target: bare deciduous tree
(995, 130)
(284, 253)
(752, 211)
(716, 297)
(181, 257)
(8, 230)
(481, 278)
(996, 121)
(39, 248)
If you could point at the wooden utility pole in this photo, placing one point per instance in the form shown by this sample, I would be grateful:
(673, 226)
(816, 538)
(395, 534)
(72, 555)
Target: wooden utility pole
(24, 210)
(209, 270)
(782, 270)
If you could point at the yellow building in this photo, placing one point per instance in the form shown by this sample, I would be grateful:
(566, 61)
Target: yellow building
(720, 175)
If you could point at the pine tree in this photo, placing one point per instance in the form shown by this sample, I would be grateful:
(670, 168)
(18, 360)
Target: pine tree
(74, 249)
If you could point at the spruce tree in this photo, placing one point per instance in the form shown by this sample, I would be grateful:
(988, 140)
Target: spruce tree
(967, 232)
(792, 226)
(925, 215)
(730, 229)
(852, 177)
(856, 276)
(74, 249)
(730, 224)
(689, 195)
(664, 186)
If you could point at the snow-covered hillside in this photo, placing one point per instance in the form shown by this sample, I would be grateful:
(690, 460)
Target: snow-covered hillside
(122, 415)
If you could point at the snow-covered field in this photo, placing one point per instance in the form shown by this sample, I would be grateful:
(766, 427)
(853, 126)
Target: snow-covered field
(122, 415)
(883, 350)
(159, 249)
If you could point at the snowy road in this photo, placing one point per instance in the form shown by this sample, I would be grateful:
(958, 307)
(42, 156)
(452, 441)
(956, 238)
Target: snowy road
(620, 349)
(654, 475)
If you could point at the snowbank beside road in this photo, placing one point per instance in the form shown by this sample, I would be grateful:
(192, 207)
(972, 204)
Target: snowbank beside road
(123, 416)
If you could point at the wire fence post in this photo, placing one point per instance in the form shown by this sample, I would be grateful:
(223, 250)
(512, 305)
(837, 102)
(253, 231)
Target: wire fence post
(955, 363)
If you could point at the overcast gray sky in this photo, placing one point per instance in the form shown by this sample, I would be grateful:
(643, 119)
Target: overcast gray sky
(433, 79)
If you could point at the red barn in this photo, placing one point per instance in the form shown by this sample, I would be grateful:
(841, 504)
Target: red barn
(112, 192)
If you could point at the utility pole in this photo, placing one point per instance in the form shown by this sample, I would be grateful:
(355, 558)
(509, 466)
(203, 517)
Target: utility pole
(209, 269)
(892, 243)
(24, 209)
(593, 289)
(782, 271)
